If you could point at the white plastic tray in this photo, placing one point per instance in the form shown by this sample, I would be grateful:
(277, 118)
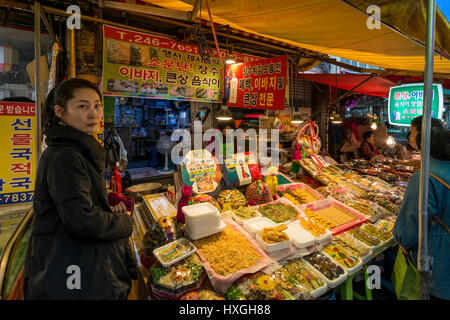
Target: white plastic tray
(189, 249)
(299, 236)
(241, 221)
(272, 247)
(256, 225)
(350, 271)
(323, 238)
(330, 283)
(206, 234)
(368, 256)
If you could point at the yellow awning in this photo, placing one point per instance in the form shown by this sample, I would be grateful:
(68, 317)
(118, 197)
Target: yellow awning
(337, 28)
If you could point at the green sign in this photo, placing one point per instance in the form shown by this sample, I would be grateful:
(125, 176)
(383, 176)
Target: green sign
(406, 103)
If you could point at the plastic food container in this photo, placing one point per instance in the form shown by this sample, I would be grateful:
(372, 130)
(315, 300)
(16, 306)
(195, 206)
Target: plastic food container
(318, 239)
(300, 237)
(271, 247)
(256, 225)
(196, 236)
(330, 283)
(350, 271)
(202, 219)
(174, 251)
(240, 220)
(301, 186)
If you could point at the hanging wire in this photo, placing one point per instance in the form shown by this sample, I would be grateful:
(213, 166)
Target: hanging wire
(196, 32)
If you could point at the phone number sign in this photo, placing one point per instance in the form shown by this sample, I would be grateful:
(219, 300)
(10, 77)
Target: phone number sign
(17, 138)
(406, 103)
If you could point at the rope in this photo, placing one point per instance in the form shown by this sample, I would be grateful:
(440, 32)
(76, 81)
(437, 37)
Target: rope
(214, 32)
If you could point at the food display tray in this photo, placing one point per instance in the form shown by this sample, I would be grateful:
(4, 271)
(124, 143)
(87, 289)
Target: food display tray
(301, 186)
(327, 203)
(256, 225)
(272, 247)
(189, 249)
(241, 221)
(299, 236)
(317, 239)
(369, 255)
(286, 202)
(330, 283)
(350, 271)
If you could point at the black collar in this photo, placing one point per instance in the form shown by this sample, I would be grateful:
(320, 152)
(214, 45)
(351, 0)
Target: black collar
(63, 135)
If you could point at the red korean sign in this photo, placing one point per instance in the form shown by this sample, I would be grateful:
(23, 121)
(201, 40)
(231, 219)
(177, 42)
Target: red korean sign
(260, 84)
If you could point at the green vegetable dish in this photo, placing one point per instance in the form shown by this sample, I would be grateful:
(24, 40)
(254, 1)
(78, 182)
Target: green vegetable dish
(245, 213)
(278, 212)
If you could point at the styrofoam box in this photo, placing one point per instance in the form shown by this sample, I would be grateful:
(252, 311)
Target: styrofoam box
(200, 218)
(272, 247)
(196, 236)
(300, 237)
(256, 225)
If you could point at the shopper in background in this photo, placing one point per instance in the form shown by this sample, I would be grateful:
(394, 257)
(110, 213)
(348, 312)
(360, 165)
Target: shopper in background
(79, 246)
(227, 144)
(406, 227)
(368, 148)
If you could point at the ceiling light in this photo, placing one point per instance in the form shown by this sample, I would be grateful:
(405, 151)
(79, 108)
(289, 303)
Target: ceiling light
(390, 141)
(373, 126)
(224, 114)
(336, 119)
(297, 119)
(230, 60)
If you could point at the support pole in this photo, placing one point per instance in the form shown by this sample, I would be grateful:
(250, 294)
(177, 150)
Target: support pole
(37, 81)
(423, 260)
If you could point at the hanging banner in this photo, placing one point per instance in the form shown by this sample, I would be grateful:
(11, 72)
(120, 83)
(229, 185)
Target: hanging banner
(17, 138)
(406, 103)
(143, 65)
(258, 85)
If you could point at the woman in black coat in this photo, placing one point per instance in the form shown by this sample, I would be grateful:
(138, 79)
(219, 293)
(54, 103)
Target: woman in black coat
(79, 245)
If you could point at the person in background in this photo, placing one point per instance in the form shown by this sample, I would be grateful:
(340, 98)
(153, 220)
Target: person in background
(79, 245)
(224, 146)
(349, 147)
(406, 228)
(368, 148)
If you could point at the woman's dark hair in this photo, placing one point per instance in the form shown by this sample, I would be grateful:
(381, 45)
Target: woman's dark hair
(439, 139)
(367, 135)
(60, 95)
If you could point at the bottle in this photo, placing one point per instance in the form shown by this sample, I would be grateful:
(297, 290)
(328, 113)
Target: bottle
(272, 181)
(233, 89)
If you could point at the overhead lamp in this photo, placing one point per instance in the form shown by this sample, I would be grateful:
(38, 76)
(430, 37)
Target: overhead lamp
(373, 126)
(224, 114)
(390, 141)
(337, 119)
(297, 119)
(230, 60)
(332, 115)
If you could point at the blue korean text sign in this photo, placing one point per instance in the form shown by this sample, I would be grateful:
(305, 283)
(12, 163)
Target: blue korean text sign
(406, 103)
(17, 155)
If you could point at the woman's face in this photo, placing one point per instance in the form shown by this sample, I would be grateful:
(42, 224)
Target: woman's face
(83, 112)
(412, 137)
(371, 139)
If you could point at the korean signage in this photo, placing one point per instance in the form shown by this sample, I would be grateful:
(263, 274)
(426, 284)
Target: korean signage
(258, 85)
(17, 170)
(143, 65)
(406, 103)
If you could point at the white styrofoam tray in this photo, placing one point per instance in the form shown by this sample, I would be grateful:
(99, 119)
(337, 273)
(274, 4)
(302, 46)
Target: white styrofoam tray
(256, 225)
(189, 249)
(318, 239)
(299, 236)
(196, 236)
(272, 247)
(350, 271)
(241, 221)
(330, 283)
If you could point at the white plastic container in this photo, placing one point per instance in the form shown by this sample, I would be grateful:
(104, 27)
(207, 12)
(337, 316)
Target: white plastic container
(317, 239)
(241, 221)
(330, 283)
(272, 247)
(196, 236)
(256, 225)
(202, 219)
(300, 237)
(350, 271)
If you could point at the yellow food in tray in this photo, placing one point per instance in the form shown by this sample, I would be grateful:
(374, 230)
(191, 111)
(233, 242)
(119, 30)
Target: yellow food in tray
(312, 227)
(228, 251)
(330, 218)
(274, 235)
(300, 196)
